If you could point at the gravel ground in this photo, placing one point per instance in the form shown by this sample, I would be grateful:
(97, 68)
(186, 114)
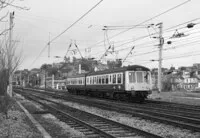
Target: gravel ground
(55, 127)
(166, 131)
(17, 125)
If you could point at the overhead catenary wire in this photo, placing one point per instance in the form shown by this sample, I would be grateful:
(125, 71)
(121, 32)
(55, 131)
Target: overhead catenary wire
(151, 34)
(168, 10)
(145, 37)
(142, 37)
(148, 45)
(179, 46)
(75, 22)
(66, 30)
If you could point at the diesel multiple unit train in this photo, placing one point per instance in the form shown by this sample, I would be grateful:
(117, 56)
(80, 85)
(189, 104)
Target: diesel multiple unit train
(132, 82)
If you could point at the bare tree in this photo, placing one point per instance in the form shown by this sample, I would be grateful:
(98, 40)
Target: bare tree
(10, 60)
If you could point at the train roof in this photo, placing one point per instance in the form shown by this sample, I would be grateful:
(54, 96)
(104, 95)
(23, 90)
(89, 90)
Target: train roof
(108, 71)
(127, 68)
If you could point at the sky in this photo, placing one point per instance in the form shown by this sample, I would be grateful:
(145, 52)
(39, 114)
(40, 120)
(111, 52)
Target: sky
(46, 19)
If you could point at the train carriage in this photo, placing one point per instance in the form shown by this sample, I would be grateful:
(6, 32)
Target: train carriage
(133, 82)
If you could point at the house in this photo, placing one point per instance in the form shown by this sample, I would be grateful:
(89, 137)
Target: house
(190, 83)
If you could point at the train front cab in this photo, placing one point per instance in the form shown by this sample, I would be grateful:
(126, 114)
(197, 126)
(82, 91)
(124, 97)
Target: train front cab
(138, 84)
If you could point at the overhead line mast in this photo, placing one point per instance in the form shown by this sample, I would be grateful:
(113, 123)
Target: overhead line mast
(161, 42)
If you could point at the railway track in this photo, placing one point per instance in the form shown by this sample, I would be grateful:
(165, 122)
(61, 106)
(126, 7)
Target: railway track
(189, 119)
(165, 104)
(152, 103)
(91, 125)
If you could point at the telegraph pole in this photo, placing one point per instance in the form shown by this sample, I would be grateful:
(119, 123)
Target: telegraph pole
(161, 42)
(9, 54)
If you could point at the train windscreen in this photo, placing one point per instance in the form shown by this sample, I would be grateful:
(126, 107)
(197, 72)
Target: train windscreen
(139, 77)
(131, 77)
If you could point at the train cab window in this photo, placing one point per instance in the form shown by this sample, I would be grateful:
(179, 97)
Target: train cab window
(146, 77)
(139, 77)
(131, 77)
(119, 78)
(114, 78)
(107, 79)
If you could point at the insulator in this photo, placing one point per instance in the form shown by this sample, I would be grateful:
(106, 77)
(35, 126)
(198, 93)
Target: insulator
(169, 42)
(190, 25)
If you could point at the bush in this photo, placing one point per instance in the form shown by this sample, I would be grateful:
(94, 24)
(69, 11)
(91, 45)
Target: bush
(5, 104)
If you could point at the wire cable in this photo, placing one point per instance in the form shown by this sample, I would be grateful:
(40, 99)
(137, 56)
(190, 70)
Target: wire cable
(76, 21)
(146, 21)
(66, 30)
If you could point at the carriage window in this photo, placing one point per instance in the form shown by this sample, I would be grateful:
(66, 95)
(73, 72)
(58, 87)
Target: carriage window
(114, 78)
(87, 80)
(99, 79)
(83, 80)
(106, 79)
(90, 80)
(119, 78)
(103, 79)
(110, 79)
(139, 77)
(131, 77)
(95, 80)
